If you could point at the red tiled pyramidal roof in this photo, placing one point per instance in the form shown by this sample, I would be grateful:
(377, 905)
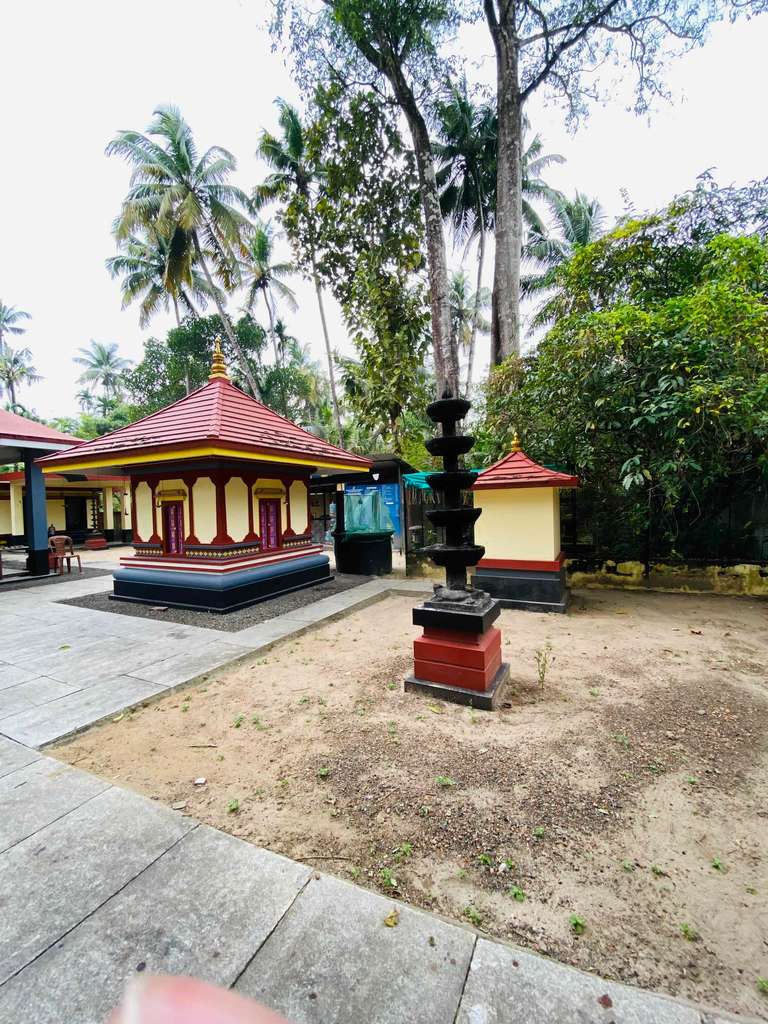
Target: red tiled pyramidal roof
(217, 415)
(517, 470)
(19, 428)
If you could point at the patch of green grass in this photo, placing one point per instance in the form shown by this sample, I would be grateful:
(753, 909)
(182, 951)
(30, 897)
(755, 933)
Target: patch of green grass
(509, 864)
(461, 873)
(717, 864)
(622, 739)
(578, 924)
(403, 851)
(324, 772)
(473, 914)
(354, 871)
(391, 686)
(593, 691)
(306, 699)
(689, 932)
(659, 872)
(485, 860)
(762, 985)
(239, 719)
(751, 890)
(233, 807)
(256, 720)
(517, 893)
(539, 832)
(392, 729)
(387, 879)
(628, 865)
(444, 781)
(691, 780)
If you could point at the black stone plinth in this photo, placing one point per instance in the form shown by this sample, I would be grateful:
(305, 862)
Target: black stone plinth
(460, 621)
(525, 589)
(483, 700)
(37, 562)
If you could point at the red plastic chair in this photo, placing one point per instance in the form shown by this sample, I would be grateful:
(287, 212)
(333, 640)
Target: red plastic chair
(62, 549)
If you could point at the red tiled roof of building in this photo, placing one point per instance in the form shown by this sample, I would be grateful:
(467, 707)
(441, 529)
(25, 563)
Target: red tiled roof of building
(517, 470)
(216, 415)
(91, 477)
(19, 428)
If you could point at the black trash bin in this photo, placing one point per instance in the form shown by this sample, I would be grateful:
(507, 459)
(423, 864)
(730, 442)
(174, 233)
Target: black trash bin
(363, 554)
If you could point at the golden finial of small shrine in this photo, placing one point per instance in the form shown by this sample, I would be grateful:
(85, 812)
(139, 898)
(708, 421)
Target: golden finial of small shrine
(218, 366)
(516, 446)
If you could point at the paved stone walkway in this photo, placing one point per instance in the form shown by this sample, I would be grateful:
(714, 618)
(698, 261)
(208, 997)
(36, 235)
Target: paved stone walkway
(98, 883)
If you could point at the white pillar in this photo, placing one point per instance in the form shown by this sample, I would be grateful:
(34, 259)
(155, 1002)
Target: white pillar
(17, 510)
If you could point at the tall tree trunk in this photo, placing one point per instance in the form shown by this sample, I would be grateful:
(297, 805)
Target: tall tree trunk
(270, 315)
(11, 393)
(478, 290)
(444, 345)
(225, 321)
(328, 353)
(505, 316)
(187, 381)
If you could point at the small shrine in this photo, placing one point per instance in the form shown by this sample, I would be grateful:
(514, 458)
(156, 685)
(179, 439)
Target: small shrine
(458, 658)
(219, 490)
(523, 564)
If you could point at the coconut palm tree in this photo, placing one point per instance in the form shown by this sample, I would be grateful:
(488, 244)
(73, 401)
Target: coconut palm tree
(576, 222)
(292, 174)
(466, 155)
(143, 267)
(103, 367)
(262, 276)
(466, 323)
(188, 199)
(16, 368)
(10, 319)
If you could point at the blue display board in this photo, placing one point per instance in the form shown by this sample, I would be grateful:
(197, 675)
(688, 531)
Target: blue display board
(390, 498)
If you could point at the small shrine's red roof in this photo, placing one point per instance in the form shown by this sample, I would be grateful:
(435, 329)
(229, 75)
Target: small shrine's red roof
(19, 428)
(219, 420)
(517, 470)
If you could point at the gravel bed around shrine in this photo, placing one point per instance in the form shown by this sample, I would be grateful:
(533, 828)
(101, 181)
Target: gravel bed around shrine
(230, 622)
(614, 817)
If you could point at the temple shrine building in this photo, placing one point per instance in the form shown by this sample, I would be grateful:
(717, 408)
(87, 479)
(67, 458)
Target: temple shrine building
(523, 564)
(219, 492)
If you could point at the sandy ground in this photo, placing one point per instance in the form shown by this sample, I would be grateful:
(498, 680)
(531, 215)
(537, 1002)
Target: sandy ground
(630, 790)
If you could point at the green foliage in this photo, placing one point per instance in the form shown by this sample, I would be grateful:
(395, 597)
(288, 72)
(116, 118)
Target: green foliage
(16, 368)
(652, 383)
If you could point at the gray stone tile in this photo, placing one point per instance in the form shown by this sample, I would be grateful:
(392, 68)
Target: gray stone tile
(191, 664)
(38, 794)
(106, 658)
(53, 880)
(69, 714)
(12, 675)
(203, 909)
(14, 755)
(11, 703)
(46, 646)
(510, 986)
(332, 959)
(41, 690)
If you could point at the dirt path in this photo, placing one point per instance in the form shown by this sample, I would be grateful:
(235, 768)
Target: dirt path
(629, 791)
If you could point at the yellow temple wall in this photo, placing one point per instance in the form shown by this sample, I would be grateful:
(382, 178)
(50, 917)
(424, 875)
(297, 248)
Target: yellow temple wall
(298, 499)
(519, 523)
(204, 496)
(5, 515)
(237, 495)
(55, 513)
(143, 524)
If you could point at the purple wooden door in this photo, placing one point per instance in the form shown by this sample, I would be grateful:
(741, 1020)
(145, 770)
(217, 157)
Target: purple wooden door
(173, 528)
(269, 523)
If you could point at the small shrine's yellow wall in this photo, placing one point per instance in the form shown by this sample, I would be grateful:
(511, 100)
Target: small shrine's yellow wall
(237, 495)
(298, 499)
(204, 497)
(521, 523)
(143, 498)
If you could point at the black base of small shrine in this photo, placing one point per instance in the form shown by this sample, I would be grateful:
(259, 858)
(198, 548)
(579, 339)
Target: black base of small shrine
(529, 590)
(486, 700)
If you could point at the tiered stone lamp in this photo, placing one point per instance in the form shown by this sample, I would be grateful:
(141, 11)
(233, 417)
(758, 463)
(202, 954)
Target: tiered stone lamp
(458, 658)
(522, 566)
(220, 498)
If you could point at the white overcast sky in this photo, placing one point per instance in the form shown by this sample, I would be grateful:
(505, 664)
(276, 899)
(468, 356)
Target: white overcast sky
(73, 74)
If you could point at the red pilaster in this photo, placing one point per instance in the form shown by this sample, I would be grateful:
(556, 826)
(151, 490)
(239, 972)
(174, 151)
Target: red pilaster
(134, 524)
(190, 482)
(155, 538)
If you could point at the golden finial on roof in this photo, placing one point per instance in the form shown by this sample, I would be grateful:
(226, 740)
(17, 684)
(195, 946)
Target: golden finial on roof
(218, 366)
(516, 446)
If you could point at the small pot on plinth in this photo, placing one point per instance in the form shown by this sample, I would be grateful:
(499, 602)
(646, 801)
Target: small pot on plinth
(458, 658)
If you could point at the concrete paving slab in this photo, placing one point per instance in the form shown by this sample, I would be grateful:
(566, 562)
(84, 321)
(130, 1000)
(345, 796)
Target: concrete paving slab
(40, 690)
(69, 714)
(333, 959)
(113, 656)
(45, 644)
(192, 663)
(510, 986)
(203, 908)
(53, 880)
(12, 675)
(38, 794)
(14, 756)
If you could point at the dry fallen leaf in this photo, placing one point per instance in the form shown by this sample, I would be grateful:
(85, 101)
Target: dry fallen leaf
(392, 920)
(438, 709)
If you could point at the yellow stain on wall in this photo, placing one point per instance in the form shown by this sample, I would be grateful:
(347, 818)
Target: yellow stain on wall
(237, 495)
(298, 499)
(519, 523)
(204, 497)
